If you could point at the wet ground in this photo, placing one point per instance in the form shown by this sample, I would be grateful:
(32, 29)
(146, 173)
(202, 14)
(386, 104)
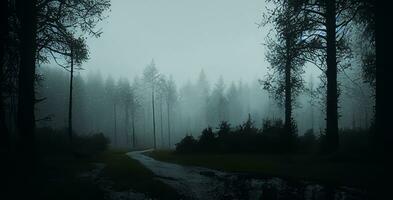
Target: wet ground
(203, 183)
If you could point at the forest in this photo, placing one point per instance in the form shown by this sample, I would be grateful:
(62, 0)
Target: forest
(115, 99)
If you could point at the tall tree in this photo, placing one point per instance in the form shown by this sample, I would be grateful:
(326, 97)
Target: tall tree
(170, 99)
(202, 87)
(285, 56)
(383, 43)
(4, 23)
(45, 27)
(77, 53)
(135, 104)
(112, 94)
(126, 98)
(219, 102)
(311, 92)
(332, 19)
(161, 96)
(151, 77)
(27, 13)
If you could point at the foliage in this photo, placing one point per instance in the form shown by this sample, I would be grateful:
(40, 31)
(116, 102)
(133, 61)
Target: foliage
(56, 142)
(187, 145)
(207, 141)
(271, 138)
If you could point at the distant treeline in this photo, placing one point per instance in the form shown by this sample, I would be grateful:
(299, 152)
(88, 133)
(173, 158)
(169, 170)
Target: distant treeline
(271, 138)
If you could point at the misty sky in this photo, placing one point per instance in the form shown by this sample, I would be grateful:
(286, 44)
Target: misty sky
(183, 36)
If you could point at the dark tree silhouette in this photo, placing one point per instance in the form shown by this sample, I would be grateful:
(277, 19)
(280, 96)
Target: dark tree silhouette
(331, 74)
(77, 53)
(45, 29)
(384, 44)
(4, 23)
(285, 56)
(331, 20)
(27, 13)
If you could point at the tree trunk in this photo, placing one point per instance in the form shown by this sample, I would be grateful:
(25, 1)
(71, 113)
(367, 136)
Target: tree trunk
(26, 94)
(133, 129)
(115, 127)
(70, 98)
(331, 74)
(383, 97)
(3, 40)
(126, 125)
(289, 129)
(288, 91)
(161, 125)
(154, 117)
(169, 125)
(27, 14)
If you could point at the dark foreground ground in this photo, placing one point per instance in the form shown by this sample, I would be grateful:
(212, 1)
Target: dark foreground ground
(369, 175)
(110, 174)
(113, 174)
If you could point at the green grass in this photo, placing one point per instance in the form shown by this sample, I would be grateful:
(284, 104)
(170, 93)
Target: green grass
(127, 173)
(327, 170)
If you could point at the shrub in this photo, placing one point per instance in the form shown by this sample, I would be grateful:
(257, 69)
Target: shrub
(88, 145)
(187, 145)
(207, 141)
(272, 138)
(56, 142)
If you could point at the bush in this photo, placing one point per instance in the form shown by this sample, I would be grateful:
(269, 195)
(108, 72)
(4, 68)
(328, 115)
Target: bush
(56, 142)
(272, 138)
(89, 145)
(207, 141)
(187, 145)
(307, 143)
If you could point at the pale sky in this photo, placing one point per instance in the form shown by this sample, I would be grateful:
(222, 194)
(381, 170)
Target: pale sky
(182, 36)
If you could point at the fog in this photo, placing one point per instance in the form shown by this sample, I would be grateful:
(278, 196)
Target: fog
(214, 53)
(195, 99)
(221, 37)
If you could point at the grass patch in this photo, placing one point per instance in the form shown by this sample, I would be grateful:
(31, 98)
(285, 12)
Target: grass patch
(324, 170)
(128, 173)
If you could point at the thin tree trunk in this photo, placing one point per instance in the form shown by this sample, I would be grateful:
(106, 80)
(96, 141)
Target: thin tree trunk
(133, 129)
(70, 97)
(126, 123)
(288, 91)
(331, 74)
(312, 118)
(115, 117)
(161, 125)
(169, 125)
(288, 107)
(154, 118)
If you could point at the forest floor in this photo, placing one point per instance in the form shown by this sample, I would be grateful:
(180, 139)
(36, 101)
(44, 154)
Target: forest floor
(331, 170)
(110, 175)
